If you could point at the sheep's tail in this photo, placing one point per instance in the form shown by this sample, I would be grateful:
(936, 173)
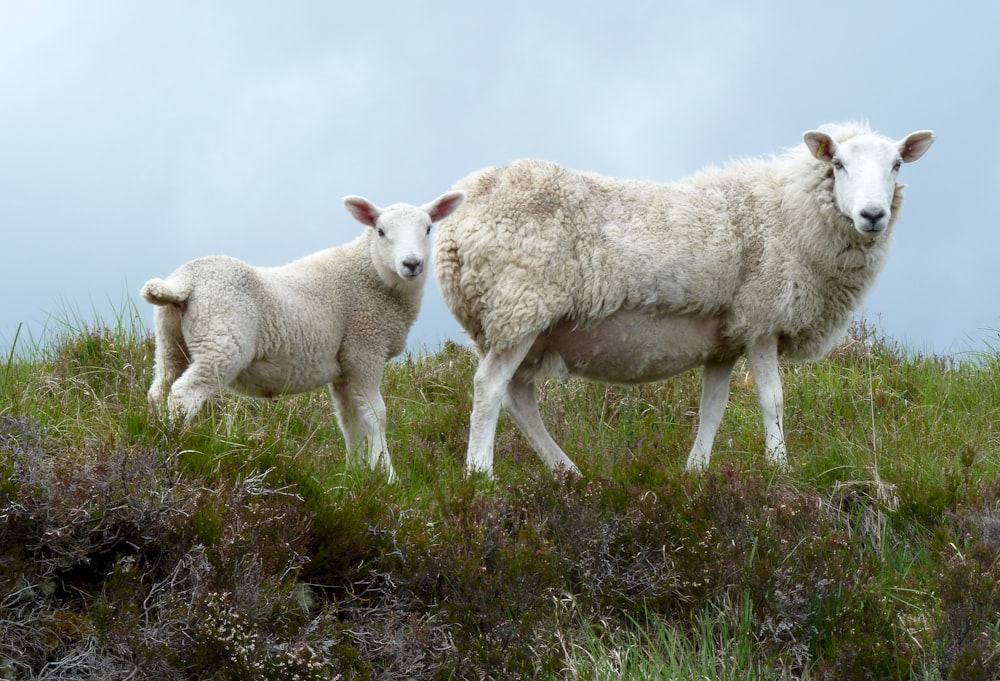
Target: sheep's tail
(163, 292)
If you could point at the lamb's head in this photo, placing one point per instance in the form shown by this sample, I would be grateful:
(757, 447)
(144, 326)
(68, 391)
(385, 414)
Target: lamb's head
(865, 167)
(402, 241)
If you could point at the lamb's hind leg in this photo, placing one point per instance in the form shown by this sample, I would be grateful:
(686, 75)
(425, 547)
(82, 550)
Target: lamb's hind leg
(714, 395)
(522, 404)
(171, 357)
(217, 360)
(493, 375)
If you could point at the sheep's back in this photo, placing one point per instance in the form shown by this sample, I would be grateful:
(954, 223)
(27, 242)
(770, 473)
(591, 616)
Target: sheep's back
(535, 243)
(509, 260)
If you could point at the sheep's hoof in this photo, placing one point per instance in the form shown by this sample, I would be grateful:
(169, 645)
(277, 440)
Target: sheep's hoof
(484, 474)
(566, 472)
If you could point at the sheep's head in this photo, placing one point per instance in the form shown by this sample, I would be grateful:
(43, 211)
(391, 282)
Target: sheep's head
(864, 172)
(402, 241)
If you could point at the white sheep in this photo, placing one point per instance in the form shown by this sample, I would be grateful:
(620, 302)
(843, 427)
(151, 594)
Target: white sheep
(334, 317)
(624, 281)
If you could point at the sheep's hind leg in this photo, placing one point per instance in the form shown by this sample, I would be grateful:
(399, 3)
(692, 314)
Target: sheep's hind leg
(493, 375)
(522, 404)
(714, 396)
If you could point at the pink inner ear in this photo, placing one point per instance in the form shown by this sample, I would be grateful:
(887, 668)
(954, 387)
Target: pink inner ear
(363, 212)
(916, 146)
(444, 207)
(820, 146)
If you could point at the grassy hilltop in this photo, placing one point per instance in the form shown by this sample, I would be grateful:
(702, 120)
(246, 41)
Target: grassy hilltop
(244, 547)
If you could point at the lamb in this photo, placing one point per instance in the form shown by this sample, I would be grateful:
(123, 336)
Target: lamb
(623, 281)
(334, 317)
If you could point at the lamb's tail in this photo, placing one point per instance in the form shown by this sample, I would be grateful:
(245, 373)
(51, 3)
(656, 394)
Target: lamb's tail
(163, 292)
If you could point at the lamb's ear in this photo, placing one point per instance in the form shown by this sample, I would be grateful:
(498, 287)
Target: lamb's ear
(444, 205)
(363, 210)
(915, 144)
(820, 145)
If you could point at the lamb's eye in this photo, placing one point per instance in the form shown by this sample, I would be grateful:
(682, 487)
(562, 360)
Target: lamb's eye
(428, 230)
(896, 166)
(381, 232)
(837, 163)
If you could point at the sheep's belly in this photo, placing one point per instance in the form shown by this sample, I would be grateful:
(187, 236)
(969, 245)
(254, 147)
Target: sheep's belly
(635, 347)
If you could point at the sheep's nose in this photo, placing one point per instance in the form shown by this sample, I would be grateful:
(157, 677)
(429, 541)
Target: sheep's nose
(413, 267)
(873, 215)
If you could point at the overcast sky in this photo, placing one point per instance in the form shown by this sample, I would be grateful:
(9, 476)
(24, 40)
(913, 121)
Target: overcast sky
(137, 135)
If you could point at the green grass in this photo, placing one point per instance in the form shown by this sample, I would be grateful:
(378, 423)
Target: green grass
(245, 547)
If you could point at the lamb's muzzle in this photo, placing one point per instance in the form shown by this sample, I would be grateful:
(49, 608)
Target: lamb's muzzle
(412, 267)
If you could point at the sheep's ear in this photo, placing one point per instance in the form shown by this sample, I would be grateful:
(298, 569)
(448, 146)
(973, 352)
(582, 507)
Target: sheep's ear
(915, 144)
(820, 145)
(363, 210)
(444, 205)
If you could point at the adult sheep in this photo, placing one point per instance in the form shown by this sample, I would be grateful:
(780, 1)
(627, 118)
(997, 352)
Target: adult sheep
(552, 270)
(334, 317)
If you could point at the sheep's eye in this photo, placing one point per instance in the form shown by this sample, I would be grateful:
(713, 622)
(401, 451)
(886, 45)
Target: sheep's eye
(837, 163)
(381, 232)
(428, 230)
(896, 165)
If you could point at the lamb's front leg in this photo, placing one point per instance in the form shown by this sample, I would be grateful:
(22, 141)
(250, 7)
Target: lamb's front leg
(378, 447)
(347, 418)
(763, 361)
(714, 396)
(362, 417)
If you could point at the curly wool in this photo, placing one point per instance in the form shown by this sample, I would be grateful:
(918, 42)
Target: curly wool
(331, 318)
(758, 243)
(301, 323)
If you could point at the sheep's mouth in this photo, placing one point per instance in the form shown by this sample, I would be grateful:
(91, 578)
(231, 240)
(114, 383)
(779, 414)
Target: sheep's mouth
(870, 228)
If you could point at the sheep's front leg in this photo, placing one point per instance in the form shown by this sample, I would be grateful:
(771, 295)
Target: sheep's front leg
(522, 404)
(763, 361)
(714, 396)
(362, 417)
(492, 377)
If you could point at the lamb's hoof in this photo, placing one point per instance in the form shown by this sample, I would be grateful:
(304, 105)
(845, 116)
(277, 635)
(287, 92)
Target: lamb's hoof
(780, 464)
(696, 467)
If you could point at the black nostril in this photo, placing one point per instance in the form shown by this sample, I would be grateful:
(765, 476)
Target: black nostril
(873, 215)
(413, 265)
